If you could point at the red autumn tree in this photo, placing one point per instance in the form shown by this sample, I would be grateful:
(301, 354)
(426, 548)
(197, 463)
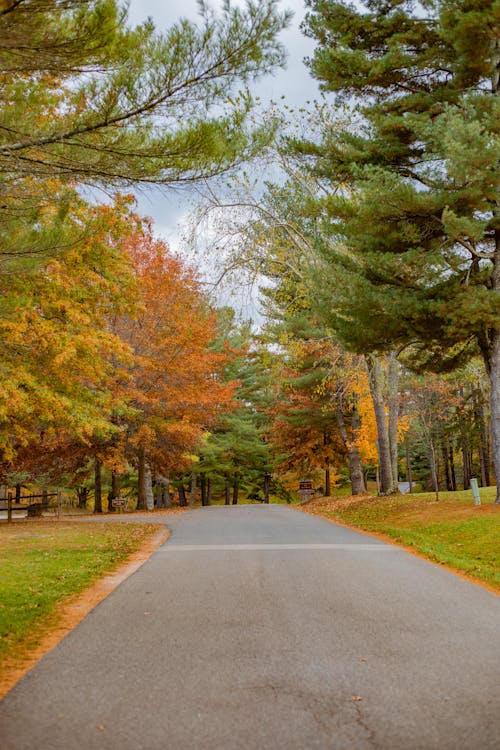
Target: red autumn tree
(174, 383)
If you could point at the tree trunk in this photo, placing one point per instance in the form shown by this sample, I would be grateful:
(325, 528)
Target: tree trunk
(18, 493)
(182, 496)
(141, 479)
(408, 468)
(236, 486)
(484, 448)
(434, 468)
(203, 487)
(383, 447)
(452, 467)
(328, 488)
(465, 462)
(446, 460)
(494, 373)
(97, 486)
(493, 363)
(267, 481)
(192, 489)
(165, 494)
(227, 498)
(393, 404)
(358, 485)
(82, 495)
(209, 491)
(115, 490)
(148, 481)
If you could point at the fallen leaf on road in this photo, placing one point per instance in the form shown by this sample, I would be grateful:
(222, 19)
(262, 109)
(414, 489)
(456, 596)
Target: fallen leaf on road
(101, 727)
(356, 698)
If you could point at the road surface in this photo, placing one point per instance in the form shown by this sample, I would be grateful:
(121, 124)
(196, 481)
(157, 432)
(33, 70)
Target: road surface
(260, 627)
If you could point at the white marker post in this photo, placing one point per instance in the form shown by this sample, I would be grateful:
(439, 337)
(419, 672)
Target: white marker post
(475, 491)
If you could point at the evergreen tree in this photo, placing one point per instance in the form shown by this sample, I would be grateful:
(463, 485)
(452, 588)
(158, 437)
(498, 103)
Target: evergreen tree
(414, 236)
(235, 454)
(87, 99)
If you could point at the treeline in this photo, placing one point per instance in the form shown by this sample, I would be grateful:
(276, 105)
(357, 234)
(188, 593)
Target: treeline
(380, 243)
(108, 354)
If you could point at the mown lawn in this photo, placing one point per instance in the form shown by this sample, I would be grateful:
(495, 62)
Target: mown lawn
(42, 563)
(451, 531)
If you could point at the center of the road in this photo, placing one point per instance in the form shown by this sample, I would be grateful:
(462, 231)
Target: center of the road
(173, 547)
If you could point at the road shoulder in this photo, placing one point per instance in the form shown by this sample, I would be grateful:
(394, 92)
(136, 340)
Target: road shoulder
(72, 611)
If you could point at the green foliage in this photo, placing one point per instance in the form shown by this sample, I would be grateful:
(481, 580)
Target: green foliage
(451, 532)
(412, 238)
(43, 566)
(236, 450)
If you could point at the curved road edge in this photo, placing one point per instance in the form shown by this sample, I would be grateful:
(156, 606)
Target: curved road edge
(411, 550)
(76, 608)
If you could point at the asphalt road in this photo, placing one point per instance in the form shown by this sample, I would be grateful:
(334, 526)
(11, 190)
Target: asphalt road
(259, 627)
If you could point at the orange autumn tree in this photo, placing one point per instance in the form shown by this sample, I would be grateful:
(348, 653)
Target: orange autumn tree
(59, 354)
(322, 418)
(175, 384)
(303, 431)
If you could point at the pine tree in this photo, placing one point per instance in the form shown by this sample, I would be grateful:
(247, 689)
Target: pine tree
(414, 236)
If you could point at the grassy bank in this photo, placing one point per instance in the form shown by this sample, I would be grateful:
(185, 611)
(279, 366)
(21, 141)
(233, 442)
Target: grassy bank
(450, 531)
(43, 563)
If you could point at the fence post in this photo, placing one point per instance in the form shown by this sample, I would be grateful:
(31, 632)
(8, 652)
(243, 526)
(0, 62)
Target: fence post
(475, 491)
(9, 507)
(59, 504)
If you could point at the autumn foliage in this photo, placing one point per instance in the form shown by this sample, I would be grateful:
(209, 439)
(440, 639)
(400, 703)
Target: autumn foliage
(108, 354)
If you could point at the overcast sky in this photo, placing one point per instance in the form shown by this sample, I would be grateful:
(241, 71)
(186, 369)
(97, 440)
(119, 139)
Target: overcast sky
(167, 208)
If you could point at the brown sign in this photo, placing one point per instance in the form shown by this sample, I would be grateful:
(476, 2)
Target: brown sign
(305, 485)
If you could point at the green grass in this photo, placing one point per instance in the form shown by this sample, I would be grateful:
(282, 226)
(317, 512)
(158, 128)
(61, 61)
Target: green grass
(43, 563)
(450, 531)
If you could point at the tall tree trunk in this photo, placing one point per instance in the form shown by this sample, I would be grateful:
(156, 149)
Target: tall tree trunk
(465, 461)
(82, 494)
(97, 486)
(236, 486)
(393, 405)
(115, 490)
(434, 467)
(356, 474)
(408, 468)
(182, 496)
(484, 448)
(209, 491)
(165, 494)
(192, 489)
(383, 447)
(494, 373)
(203, 487)
(267, 482)
(141, 479)
(328, 488)
(452, 467)
(148, 482)
(227, 493)
(446, 460)
(493, 363)
(18, 493)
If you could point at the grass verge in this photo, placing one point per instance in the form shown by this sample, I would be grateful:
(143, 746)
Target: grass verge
(451, 531)
(44, 563)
